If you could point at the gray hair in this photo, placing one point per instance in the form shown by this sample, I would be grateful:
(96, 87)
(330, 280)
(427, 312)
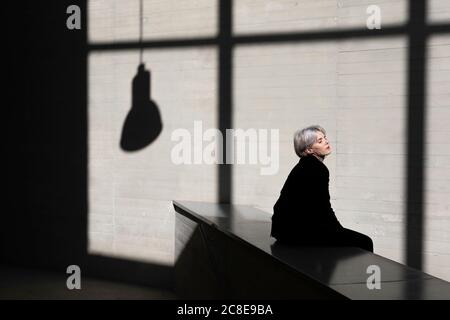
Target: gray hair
(304, 138)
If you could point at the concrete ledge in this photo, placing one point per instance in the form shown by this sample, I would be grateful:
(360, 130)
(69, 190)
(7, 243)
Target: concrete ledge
(225, 251)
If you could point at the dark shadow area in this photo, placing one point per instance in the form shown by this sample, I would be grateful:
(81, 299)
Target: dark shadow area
(124, 270)
(45, 131)
(416, 115)
(44, 223)
(143, 122)
(18, 283)
(197, 264)
(225, 102)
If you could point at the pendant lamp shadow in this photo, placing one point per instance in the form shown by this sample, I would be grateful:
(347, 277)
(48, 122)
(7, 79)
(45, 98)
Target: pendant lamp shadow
(143, 123)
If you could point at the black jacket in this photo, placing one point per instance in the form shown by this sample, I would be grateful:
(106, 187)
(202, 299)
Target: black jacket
(303, 211)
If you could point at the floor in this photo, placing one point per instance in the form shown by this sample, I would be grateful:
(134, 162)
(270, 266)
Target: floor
(30, 284)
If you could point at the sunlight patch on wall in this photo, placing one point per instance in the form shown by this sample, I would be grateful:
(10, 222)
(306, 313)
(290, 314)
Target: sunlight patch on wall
(118, 20)
(130, 193)
(437, 160)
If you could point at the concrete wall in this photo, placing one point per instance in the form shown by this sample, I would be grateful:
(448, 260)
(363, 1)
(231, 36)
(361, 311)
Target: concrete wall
(357, 88)
(130, 193)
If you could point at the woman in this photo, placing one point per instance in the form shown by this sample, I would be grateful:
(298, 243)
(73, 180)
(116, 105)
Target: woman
(303, 213)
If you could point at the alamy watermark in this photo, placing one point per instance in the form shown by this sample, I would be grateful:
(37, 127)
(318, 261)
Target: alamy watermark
(374, 280)
(250, 146)
(74, 20)
(74, 280)
(374, 20)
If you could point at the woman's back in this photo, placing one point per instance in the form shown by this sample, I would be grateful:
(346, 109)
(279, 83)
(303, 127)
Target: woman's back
(303, 210)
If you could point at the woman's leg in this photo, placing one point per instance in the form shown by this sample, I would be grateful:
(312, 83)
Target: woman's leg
(350, 238)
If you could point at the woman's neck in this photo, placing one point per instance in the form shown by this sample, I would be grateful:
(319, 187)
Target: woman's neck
(321, 158)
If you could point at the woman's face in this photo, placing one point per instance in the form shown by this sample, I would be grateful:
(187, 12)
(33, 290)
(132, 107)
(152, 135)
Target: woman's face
(321, 147)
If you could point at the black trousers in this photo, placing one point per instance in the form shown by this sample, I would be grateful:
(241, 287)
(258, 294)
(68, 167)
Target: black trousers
(349, 238)
(341, 237)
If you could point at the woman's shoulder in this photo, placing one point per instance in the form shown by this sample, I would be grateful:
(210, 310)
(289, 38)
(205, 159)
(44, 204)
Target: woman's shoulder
(310, 164)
